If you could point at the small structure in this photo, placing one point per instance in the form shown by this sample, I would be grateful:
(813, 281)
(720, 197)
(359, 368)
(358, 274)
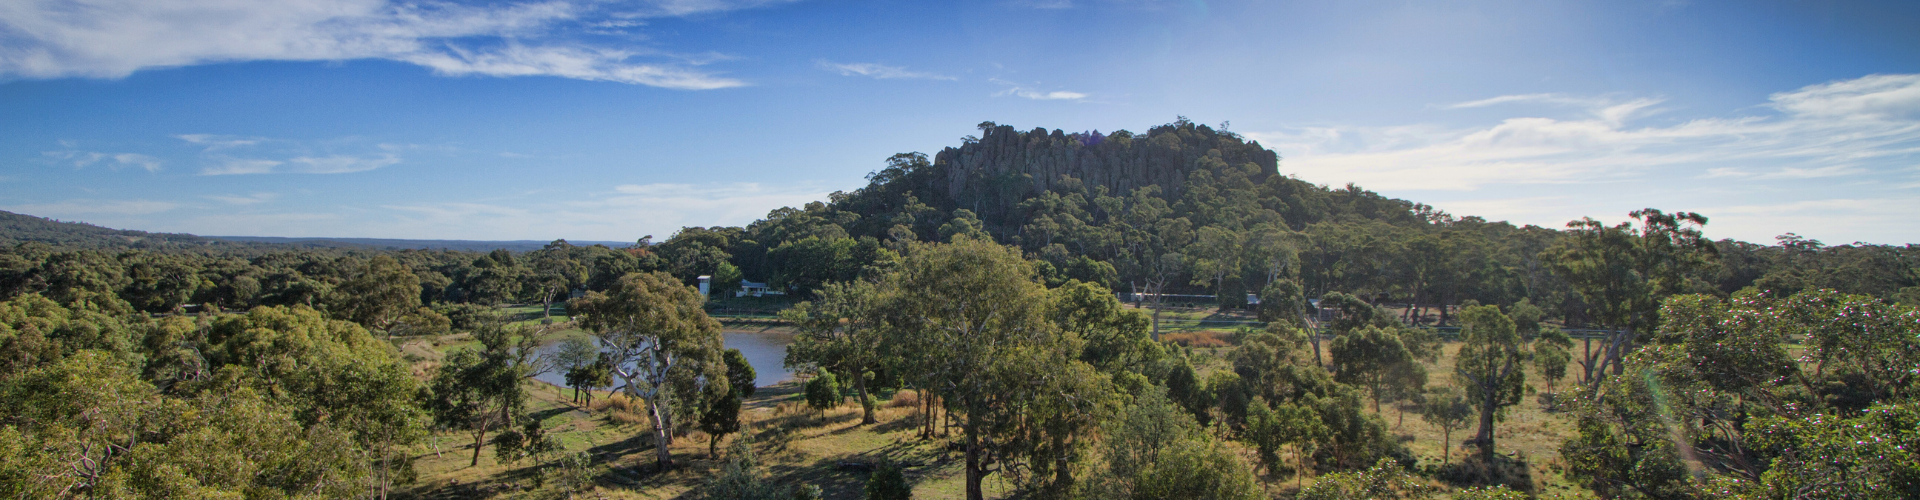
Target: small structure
(706, 284)
(755, 289)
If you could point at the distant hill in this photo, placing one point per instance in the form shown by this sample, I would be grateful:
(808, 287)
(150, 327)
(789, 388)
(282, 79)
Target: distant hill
(395, 244)
(21, 228)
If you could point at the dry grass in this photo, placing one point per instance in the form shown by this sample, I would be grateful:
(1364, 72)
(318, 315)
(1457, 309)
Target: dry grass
(1198, 338)
(905, 399)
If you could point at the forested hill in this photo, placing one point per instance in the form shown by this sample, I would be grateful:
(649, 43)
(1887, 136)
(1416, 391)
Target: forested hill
(22, 228)
(1187, 208)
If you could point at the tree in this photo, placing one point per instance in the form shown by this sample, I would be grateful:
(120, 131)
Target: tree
(1372, 358)
(840, 332)
(1622, 272)
(478, 390)
(553, 273)
(1447, 408)
(719, 415)
(823, 392)
(740, 375)
(1270, 428)
(1154, 450)
(1490, 367)
(1550, 356)
(970, 319)
(655, 332)
(576, 357)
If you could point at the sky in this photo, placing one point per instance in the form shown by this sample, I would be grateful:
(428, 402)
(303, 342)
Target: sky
(611, 120)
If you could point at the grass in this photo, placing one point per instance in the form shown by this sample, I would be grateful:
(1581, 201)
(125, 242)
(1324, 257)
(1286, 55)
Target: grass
(800, 446)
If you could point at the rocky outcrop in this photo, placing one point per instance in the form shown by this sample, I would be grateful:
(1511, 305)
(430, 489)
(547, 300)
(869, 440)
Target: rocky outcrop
(1038, 160)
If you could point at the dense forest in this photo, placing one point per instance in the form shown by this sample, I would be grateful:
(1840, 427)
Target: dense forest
(1015, 285)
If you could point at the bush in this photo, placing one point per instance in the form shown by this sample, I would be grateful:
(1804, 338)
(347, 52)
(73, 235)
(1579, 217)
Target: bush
(1385, 480)
(905, 399)
(823, 392)
(888, 483)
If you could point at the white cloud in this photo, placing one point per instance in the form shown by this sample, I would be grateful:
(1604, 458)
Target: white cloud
(227, 155)
(115, 161)
(1873, 96)
(240, 166)
(253, 199)
(1826, 130)
(1018, 90)
(877, 70)
(114, 38)
(217, 142)
(340, 164)
(625, 213)
(1853, 139)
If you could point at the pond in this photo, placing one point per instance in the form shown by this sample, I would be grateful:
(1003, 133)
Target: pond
(767, 352)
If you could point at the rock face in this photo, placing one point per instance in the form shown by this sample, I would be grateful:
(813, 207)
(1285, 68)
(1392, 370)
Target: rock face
(1016, 164)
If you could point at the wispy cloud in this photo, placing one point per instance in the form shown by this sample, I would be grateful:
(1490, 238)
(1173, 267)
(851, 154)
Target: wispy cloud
(114, 38)
(252, 199)
(1826, 130)
(1852, 139)
(225, 155)
(625, 212)
(115, 161)
(877, 70)
(1014, 89)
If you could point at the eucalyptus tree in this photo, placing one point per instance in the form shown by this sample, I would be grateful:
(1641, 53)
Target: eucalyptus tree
(840, 331)
(480, 391)
(553, 272)
(656, 335)
(1491, 367)
(1447, 408)
(1373, 358)
(970, 319)
(378, 296)
(1622, 272)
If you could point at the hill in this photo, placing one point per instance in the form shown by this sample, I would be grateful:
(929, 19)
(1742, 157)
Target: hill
(400, 244)
(21, 228)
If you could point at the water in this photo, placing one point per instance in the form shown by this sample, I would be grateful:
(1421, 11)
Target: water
(767, 352)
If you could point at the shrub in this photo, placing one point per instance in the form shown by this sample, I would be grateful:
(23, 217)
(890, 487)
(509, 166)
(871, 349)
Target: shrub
(888, 483)
(905, 399)
(823, 392)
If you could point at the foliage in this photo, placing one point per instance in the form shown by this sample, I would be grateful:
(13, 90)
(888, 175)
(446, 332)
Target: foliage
(1449, 409)
(1385, 480)
(1717, 406)
(1155, 450)
(1376, 360)
(839, 332)
(823, 392)
(660, 345)
(888, 483)
(1489, 366)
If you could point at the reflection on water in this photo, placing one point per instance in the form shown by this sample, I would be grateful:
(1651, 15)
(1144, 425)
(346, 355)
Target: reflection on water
(765, 351)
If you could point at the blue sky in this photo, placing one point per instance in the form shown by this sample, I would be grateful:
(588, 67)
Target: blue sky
(609, 120)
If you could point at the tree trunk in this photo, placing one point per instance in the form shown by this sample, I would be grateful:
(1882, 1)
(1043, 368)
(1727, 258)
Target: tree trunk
(866, 403)
(662, 455)
(479, 439)
(926, 414)
(713, 446)
(1062, 467)
(1485, 436)
(974, 473)
(1446, 445)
